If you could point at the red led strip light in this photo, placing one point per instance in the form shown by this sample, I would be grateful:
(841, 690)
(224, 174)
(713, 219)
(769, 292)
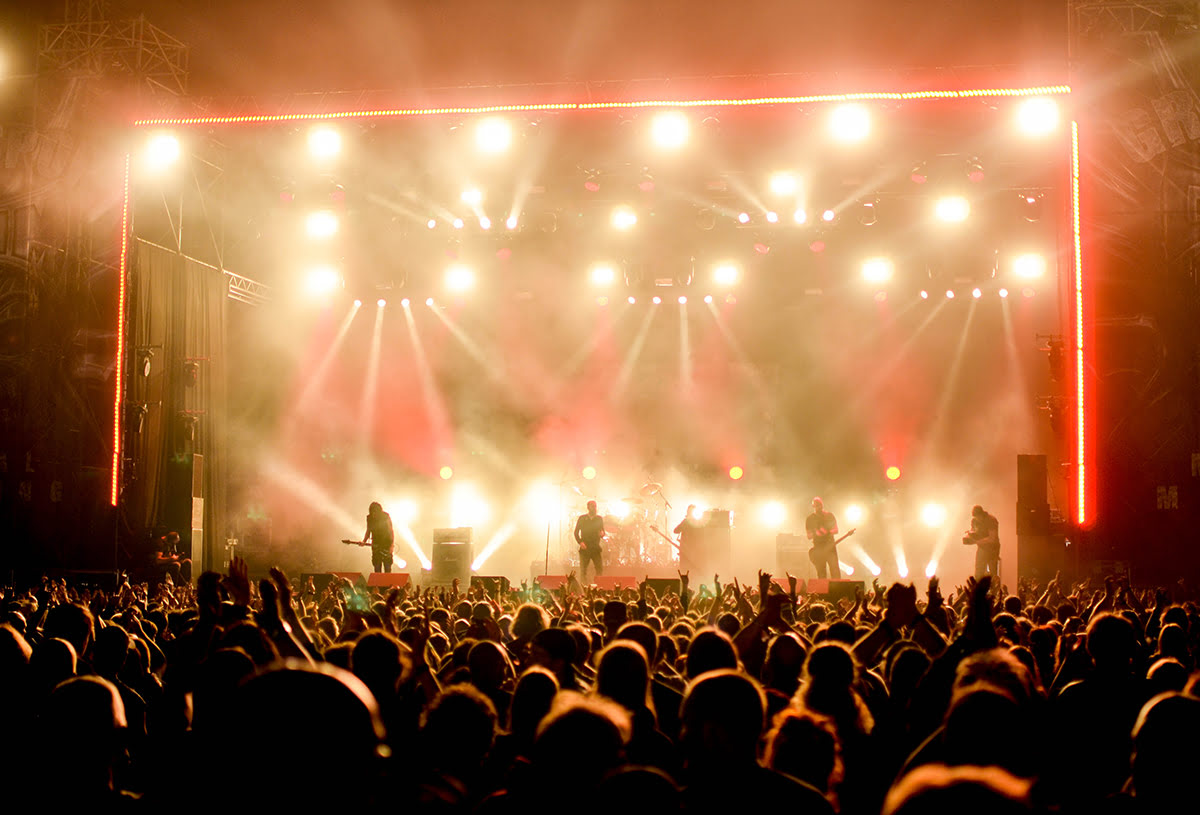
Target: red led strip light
(116, 459)
(1044, 90)
(1083, 481)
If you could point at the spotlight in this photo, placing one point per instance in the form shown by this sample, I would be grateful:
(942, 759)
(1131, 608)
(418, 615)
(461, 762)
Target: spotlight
(1029, 266)
(322, 280)
(431, 223)
(589, 472)
(493, 135)
(743, 217)
(697, 512)
(358, 303)
(631, 300)
(846, 568)
(877, 270)
(949, 294)
(381, 302)
(485, 222)
(682, 300)
(624, 218)
(736, 473)
(429, 302)
(321, 224)
(976, 292)
(458, 223)
(467, 507)
(931, 568)
(952, 209)
(603, 275)
(933, 515)
(708, 299)
(446, 473)
(828, 215)
(472, 197)
(850, 123)
(901, 564)
(1004, 292)
(405, 302)
(892, 473)
(783, 184)
(656, 300)
(800, 216)
(619, 510)
(924, 294)
(1037, 116)
(725, 274)
(459, 278)
(669, 129)
(772, 217)
(162, 150)
(772, 514)
(511, 223)
(324, 142)
(855, 513)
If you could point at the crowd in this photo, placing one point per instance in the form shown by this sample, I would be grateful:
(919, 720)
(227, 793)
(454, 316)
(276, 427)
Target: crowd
(1055, 698)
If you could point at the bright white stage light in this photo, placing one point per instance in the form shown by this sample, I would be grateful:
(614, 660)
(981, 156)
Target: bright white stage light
(162, 150)
(589, 472)
(901, 564)
(431, 223)
(850, 123)
(460, 278)
(619, 510)
(457, 223)
(743, 217)
(931, 568)
(846, 568)
(656, 300)
(1004, 292)
(698, 509)
(977, 293)
(543, 502)
(772, 217)
(381, 302)
(429, 302)
(855, 513)
(669, 129)
(324, 142)
(783, 184)
(493, 135)
(631, 300)
(708, 299)
(405, 302)
(1037, 116)
(952, 209)
(772, 514)
(321, 224)
(467, 507)
(322, 280)
(877, 270)
(924, 294)
(933, 515)
(949, 294)
(402, 510)
(624, 218)
(800, 216)
(1029, 266)
(358, 303)
(726, 274)
(511, 223)
(828, 215)
(682, 300)
(472, 196)
(485, 222)
(602, 275)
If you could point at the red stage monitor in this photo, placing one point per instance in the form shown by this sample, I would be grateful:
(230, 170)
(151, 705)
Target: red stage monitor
(381, 579)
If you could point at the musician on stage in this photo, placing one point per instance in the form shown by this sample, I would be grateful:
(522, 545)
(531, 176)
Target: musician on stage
(382, 537)
(689, 528)
(984, 535)
(821, 528)
(171, 560)
(589, 531)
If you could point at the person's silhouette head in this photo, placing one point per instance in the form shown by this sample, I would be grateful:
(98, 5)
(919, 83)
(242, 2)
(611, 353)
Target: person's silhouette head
(532, 698)
(579, 742)
(711, 650)
(381, 662)
(531, 618)
(73, 623)
(489, 665)
(1111, 643)
(84, 722)
(1163, 765)
(805, 745)
(938, 788)
(784, 663)
(458, 730)
(643, 635)
(623, 675)
(722, 716)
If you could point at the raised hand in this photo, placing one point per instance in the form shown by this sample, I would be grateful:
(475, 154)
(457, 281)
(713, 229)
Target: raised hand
(791, 579)
(237, 582)
(282, 584)
(933, 595)
(683, 580)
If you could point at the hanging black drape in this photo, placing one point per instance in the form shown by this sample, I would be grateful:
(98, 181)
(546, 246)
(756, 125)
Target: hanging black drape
(177, 313)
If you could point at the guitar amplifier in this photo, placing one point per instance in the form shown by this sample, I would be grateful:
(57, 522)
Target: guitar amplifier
(454, 534)
(791, 554)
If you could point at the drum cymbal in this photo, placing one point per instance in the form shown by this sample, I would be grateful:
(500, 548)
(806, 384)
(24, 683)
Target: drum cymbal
(651, 489)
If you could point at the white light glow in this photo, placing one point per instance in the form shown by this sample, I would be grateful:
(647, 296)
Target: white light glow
(493, 135)
(1037, 116)
(669, 129)
(402, 510)
(877, 270)
(783, 184)
(931, 568)
(472, 196)
(933, 515)
(542, 502)
(511, 223)
(952, 209)
(162, 150)
(603, 275)
(467, 507)
(772, 217)
(485, 222)
(977, 293)
(901, 564)
(624, 218)
(324, 142)
(619, 510)
(682, 300)
(855, 513)
(772, 514)
(1029, 266)
(322, 280)
(800, 216)
(726, 274)
(846, 568)
(828, 215)
(460, 278)
(850, 123)
(321, 224)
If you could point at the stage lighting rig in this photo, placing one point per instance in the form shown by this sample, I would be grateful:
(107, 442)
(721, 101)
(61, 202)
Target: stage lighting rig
(669, 129)
(324, 142)
(850, 123)
(1037, 116)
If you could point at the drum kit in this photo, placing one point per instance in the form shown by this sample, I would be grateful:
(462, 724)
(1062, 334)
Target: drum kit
(628, 521)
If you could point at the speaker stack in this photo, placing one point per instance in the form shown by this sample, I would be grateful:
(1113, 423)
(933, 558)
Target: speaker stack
(452, 555)
(1040, 552)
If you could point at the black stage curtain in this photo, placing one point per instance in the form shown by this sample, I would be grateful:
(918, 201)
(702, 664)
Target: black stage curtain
(177, 310)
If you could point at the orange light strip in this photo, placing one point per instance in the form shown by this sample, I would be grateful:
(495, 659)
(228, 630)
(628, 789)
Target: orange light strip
(120, 368)
(1042, 90)
(1082, 481)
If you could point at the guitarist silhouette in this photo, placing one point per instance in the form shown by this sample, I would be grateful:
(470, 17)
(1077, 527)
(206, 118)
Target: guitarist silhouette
(821, 528)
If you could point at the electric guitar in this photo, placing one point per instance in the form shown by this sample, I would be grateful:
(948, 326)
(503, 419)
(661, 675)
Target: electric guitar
(822, 550)
(666, 537)
(349, 542)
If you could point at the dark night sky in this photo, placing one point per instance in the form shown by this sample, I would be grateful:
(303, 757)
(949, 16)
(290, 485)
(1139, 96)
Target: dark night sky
(258, 46)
